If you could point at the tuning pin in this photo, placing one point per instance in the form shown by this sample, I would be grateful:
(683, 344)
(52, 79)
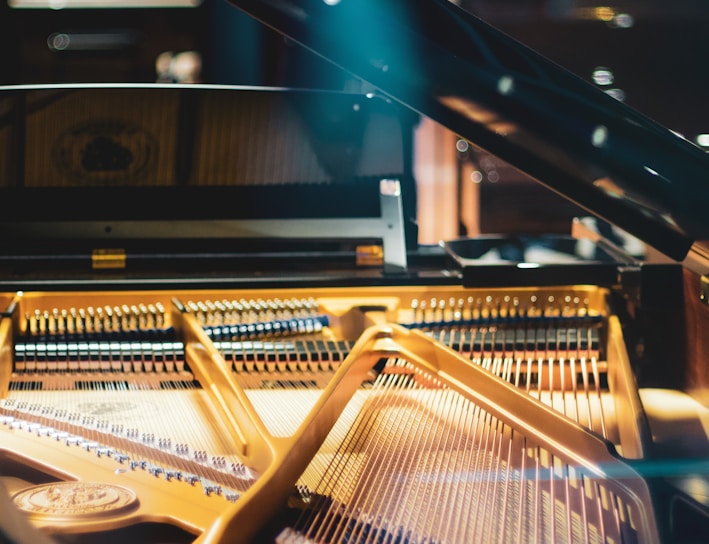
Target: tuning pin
(220, 311)
(239, 311)
(46, 323)
(38, 322)
(29, 325)
(108, 323)
(118, 323)
(423, 307)
(414, 309)
(151, 316)
(59, 320)
(430, 309)
(161, 314)
(514, 311)
(99, 320)
(247, 305)
(143, 317)
(50, 320)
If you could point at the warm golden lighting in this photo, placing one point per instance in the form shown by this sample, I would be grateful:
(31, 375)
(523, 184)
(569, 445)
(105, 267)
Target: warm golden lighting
(503, 128)
(480, 114)
(604, 13)
(608, 186)
(470, 109)
(600, 13)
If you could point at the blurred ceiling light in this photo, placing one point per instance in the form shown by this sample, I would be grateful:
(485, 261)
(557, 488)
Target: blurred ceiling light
(480, 114)
(608, 186)
(602, 76)
(702, 140)
(470, 109)
(90, 41)
(503, 128)
(505, 85)
(599, 136)
(618, 94)
(182, 67)
(623, 20)
(604, 13)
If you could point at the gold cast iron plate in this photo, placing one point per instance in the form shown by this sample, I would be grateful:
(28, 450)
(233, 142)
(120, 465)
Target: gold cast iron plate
(75, 500)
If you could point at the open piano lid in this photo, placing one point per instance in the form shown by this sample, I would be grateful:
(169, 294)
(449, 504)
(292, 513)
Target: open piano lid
(201, 178)
(446, 64)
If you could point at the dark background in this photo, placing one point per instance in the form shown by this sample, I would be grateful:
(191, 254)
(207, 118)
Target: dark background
(660, 60)
(657, 51)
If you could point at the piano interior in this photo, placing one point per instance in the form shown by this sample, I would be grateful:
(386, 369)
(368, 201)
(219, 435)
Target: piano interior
(326, 414)
(239, 338)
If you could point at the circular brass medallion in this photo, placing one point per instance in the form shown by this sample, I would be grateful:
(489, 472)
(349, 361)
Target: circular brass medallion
(74, 500)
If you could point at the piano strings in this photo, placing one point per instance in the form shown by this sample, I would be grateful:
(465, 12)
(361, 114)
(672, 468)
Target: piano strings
(114, 380)
(420, 463)
(409, 459)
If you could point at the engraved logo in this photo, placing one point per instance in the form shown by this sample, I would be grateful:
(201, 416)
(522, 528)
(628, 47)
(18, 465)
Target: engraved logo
(75, 500)
(105, 153)
(105, 408)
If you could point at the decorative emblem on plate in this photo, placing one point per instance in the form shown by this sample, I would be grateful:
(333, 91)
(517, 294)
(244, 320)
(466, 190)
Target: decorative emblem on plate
(107, 408)
(72, 500)
(106, 152)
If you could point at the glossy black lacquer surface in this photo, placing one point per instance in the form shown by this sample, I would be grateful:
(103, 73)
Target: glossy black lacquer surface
(112, 155)
(445, 63)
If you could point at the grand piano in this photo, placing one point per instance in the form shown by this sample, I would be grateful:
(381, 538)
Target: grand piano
(218, 324)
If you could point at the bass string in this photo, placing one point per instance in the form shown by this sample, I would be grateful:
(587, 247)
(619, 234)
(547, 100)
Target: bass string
(395, 443)
(99, 408)
(315, 521)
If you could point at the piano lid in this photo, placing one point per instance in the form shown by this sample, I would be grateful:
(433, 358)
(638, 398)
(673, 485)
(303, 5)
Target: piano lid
(445, 63)
(184, 170)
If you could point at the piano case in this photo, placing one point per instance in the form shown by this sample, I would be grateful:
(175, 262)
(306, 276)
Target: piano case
(218, 325)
